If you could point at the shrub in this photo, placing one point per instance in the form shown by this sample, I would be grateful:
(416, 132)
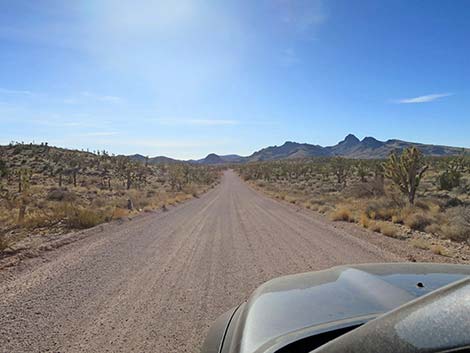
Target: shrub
(388, 229)
(364, 220)
(120, 213)
(374, 226)
(449, 180)
(59, 194)
(82, 218)
(4, 243)
(440, 250)
(420, 243)
(341, 214)
(418, 221)
(458, 227)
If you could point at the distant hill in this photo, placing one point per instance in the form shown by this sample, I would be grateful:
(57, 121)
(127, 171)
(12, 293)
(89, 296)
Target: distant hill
(154, 160)
(350, 147)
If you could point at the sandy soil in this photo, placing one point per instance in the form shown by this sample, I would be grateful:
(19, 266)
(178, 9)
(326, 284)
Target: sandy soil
(155, 284)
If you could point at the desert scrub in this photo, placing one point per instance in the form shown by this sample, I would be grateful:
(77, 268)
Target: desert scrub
(388, 229)
(420, 243)
(418, 221)
(82, 218)
(342, 214)
(458, 226)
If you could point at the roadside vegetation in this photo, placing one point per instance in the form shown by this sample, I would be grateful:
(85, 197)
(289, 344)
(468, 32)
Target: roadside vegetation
(47, 190)
(425, 200)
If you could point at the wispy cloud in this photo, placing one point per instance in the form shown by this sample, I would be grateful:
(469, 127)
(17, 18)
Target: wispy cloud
(423, 99)
(102, 98)
(197, 122)
(16, 92)
(102, 133)
(303, 15)
(289, 57)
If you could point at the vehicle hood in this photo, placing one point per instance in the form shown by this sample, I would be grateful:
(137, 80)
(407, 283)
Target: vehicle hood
(289, 308)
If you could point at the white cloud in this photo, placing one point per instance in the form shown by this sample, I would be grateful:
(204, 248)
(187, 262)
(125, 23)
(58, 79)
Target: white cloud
(423, 99)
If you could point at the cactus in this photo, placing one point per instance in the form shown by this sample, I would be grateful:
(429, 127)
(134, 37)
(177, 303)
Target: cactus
(406, 171)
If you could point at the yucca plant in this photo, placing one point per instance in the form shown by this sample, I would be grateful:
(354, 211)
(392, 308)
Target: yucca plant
(406, 171)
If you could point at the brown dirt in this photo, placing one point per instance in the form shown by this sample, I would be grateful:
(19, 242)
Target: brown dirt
(155, 284)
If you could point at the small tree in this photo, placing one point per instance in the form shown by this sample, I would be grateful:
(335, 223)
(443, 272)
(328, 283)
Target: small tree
(452, 175)
(406, 171)
(341, 170)
(362, 171)
(24, 178)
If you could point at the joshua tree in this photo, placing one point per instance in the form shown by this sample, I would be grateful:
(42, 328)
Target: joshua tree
(24, 177)
(340, 169)
(362, 171)
(452, 175)
(406, 171)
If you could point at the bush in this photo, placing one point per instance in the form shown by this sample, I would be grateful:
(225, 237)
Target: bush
(364, 220)
(374, 226)
(458, 227)
(388, 229)
(82, 218)
(449, 180)
(420, 243)
(4, 243)
(341, 214)
(120, 213)
(57, 194)
(418, 221)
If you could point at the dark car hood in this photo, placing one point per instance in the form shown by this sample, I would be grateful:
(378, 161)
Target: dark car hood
(289, 308)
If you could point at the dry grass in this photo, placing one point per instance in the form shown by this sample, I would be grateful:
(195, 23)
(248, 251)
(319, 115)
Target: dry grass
(388, 230)
(420, 243)
(418, 221)
(82, 218)
(342, 214)
(120, 213)
(440, 250)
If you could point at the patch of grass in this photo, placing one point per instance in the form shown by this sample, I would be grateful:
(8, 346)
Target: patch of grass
(82, 218)
(418, 221)
(341, 214)
(388, 230)
(420, 243)
(374, 226)
(440, 250)
(120, 213)
(364, 220)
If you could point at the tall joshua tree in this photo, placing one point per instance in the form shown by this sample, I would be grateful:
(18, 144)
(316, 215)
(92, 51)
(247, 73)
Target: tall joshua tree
(406, 171)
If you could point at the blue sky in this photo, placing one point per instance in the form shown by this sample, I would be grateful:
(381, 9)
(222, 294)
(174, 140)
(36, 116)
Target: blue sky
(186, 78)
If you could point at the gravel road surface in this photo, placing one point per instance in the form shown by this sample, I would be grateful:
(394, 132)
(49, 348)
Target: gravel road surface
(154, 284)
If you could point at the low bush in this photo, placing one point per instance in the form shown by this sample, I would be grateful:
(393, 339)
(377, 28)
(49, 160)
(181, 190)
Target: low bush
(440, 250)
(420, 243)
(341, 214)
(82, 218)
(458, 226)
(418, 221)
(388, 230)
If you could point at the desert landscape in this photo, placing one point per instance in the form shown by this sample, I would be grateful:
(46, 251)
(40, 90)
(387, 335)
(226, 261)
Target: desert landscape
(189, 240)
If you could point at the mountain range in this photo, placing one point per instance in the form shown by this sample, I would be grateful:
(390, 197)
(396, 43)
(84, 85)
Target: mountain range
(350, 147)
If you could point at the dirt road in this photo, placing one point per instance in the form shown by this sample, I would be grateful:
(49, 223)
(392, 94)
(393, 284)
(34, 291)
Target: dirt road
(154, 284)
